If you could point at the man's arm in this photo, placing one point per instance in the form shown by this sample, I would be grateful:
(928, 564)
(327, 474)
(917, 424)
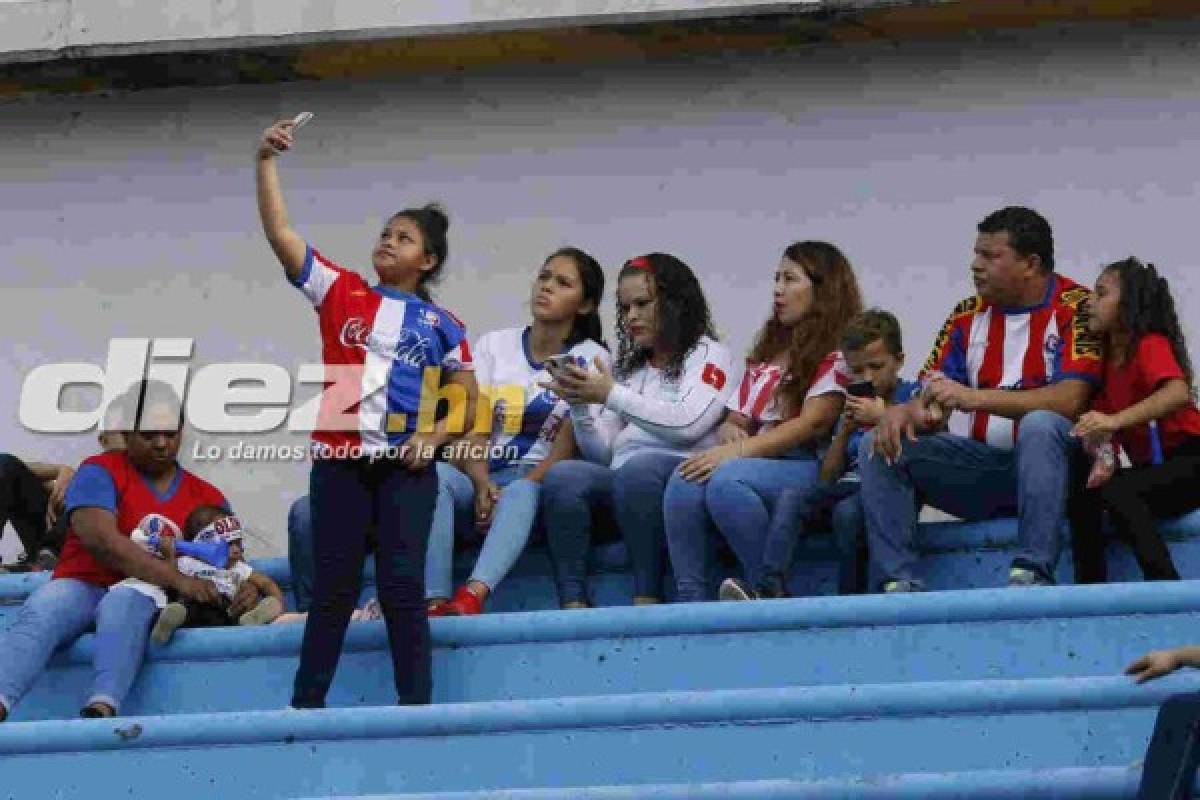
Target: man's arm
(1068, 398)
(97, 529)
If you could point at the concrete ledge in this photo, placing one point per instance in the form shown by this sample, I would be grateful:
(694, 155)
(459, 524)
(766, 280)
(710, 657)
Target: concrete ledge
(1077, 783)
(658, 709)
(977, 605)
(39, 30)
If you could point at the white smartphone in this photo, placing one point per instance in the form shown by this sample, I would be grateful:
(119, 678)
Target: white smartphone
(558, 362)
(301, 120)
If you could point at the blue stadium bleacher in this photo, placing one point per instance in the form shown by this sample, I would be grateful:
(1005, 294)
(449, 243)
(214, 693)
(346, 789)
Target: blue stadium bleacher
(984, 694)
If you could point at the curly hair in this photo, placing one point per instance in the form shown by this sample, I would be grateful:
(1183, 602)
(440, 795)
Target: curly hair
(681, 315)
(836, 299)
(1146, 306)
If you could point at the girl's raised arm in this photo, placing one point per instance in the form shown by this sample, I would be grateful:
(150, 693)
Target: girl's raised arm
(289, 247)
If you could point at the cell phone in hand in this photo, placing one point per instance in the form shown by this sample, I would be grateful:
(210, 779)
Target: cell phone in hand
(559, 362)
(861, 389)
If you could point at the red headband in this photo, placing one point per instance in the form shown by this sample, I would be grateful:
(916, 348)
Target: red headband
(642, 263)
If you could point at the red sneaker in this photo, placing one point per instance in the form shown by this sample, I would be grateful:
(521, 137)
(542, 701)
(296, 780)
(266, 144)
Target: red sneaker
(465, 604)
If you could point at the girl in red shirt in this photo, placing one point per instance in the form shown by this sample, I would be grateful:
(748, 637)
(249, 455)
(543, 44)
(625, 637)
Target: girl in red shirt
(1147, 408)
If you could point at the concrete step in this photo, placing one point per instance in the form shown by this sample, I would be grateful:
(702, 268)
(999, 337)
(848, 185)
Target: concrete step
(1070, 783)
(958, 555)
(1004, 633)
(791, 733)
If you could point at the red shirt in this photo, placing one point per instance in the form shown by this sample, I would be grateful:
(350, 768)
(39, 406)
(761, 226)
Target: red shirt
(1152, 365)
(110, 481)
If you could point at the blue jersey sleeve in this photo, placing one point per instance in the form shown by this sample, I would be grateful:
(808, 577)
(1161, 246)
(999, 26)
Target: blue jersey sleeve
(92, 487)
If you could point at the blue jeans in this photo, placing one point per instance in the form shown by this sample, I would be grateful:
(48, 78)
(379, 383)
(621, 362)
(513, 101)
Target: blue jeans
(347, 497)
(59, 612)
(736, 502)
(512, 523)
(455, 505)
(799, 512)
(574, 490)
(300, 555)
(973, 481)
(1174, 750)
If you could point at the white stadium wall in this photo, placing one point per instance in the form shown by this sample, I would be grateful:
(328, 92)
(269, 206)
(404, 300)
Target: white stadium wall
(132, 214)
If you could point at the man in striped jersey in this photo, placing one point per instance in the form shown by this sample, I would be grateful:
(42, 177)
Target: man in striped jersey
(1017, 360)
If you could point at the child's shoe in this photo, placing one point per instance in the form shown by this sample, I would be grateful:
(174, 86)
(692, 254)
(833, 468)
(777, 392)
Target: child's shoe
(262, 614)
(169, 620)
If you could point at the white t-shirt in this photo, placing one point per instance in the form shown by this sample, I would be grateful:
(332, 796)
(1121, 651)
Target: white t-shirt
(507, 372)
(227, 580)
(646, 412)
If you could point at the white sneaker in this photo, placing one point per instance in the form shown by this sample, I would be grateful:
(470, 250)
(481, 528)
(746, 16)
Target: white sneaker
(734, 589)
(262, 614)
(169, 620)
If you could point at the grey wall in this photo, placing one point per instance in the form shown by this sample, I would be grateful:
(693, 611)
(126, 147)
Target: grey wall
(133, 214)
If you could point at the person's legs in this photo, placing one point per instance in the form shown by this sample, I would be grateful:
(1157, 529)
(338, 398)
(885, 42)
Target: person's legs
(1085, 515)
(638, 488)
(741, 495)
(572, 491)
(1169, 770)
(23, 503)
(404, 503)
(850, 537)
(963, 477)
(455, 509)
(342, 509)
(123, 620)
(796, 510)
(55, 613)
(691, 539)
(1045, 451)
(1136, 498)
(300, 551)
(512, 522)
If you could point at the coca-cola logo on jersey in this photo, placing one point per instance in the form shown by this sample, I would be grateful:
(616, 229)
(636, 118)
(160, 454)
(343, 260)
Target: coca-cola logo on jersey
(355, 333)
(410, 348)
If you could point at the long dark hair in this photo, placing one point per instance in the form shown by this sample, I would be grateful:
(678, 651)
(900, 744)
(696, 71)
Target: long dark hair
(836, 300)
(681, 314)
(433, 223)
(1146, 306)
(591, 275)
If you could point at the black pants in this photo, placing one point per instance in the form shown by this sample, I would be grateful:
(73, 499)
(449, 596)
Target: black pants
(347, 497)
(1171, 758)
(204, 615)
(23, 502)
(1135, 500)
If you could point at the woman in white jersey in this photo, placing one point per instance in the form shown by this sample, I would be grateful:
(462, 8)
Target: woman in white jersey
(531, 430)
(672, 382)
(782, 413)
